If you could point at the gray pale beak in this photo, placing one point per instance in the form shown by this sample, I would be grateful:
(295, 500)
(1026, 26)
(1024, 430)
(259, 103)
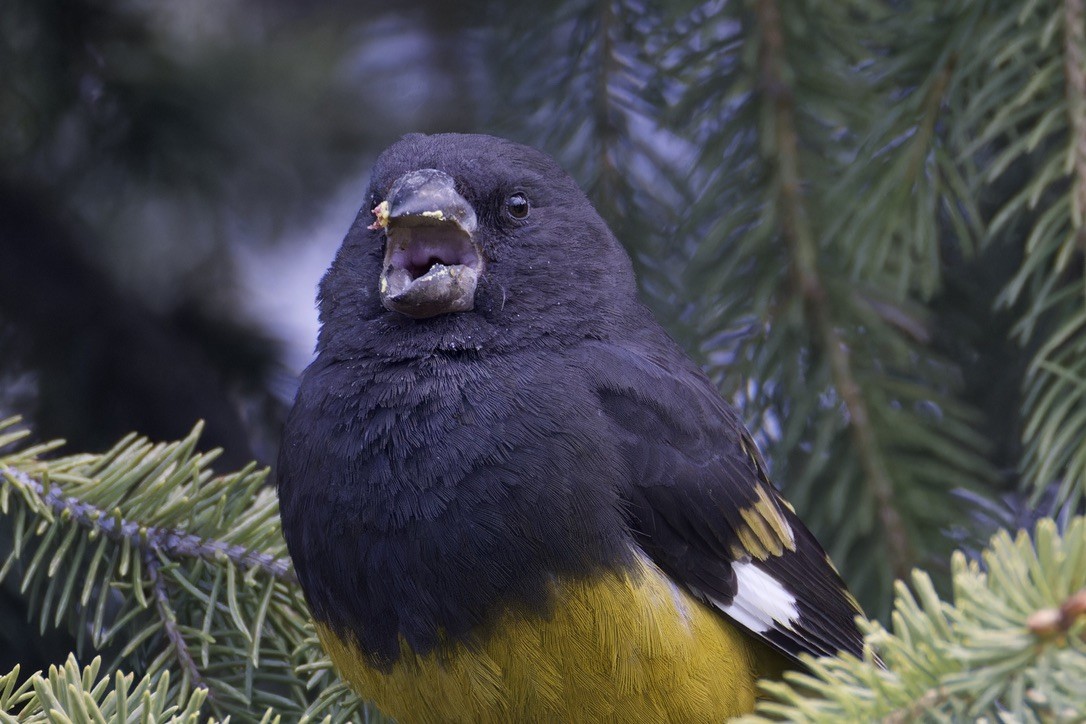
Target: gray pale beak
(432, 263)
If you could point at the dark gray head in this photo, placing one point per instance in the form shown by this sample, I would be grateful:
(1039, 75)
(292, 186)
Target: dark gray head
(471, 242)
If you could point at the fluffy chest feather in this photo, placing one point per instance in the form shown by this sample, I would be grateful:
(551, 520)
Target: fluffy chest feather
(620, 647)
(420, 502)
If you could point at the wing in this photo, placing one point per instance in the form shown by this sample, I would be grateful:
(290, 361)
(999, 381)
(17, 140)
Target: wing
(702, 507)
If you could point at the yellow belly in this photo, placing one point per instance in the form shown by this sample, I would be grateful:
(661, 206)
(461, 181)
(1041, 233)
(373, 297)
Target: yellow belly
(627, 647)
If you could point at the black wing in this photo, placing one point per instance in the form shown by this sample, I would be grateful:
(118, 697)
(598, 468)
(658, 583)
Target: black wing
(702, 507)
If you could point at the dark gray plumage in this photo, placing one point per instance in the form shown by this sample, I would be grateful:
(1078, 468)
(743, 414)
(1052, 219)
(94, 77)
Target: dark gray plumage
(437, 471)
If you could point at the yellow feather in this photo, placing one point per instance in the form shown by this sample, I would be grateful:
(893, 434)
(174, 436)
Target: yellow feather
(625, 647)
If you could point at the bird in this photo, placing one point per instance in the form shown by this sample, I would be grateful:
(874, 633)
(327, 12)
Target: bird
(507, 493)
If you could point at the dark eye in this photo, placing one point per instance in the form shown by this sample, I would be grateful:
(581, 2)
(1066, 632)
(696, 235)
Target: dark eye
(517, 206)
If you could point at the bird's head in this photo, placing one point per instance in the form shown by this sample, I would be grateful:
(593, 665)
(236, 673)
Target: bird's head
(470, 241)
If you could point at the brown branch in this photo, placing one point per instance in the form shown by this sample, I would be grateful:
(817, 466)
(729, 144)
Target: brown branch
(1047, 622)
(604, 113)
(1074, 62)
(169, 623)
(804, 254)
(928, 115)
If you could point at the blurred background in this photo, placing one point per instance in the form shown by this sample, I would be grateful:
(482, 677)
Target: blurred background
(863, 218)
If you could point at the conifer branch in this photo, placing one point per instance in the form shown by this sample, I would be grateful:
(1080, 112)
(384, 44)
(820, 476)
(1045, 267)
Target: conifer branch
(168, 618)
(146, 553)
(602, 112)
(1006, 647)
(1074, 61)
(169, 543)
(805, 269)
(70, 693)
(933, 100)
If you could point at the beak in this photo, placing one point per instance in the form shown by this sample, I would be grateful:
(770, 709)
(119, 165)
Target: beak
(432, 263)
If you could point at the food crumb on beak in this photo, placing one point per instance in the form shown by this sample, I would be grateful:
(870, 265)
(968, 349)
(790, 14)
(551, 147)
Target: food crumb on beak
(381, 212)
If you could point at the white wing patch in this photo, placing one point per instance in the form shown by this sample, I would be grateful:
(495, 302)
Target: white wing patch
(761, 602)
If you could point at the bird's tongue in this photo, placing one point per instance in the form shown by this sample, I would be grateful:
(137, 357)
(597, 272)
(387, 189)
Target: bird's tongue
(426, 247)
(429, 270)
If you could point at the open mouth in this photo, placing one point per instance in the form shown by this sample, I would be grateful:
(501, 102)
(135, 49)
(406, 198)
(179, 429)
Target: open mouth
(432, 264)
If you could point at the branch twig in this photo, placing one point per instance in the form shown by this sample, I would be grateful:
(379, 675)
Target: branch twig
(169, 623)
(604, 114)
(804, 252)
(1074, 49)
(168, 542)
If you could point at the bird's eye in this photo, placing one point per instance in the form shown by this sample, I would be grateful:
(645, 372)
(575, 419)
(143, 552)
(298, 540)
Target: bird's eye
(517, 206)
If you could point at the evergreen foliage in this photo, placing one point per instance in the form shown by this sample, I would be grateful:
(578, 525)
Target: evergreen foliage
(1010, 646)
(865, 218)
(178, 577)
(70, 694)
(167, 570)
